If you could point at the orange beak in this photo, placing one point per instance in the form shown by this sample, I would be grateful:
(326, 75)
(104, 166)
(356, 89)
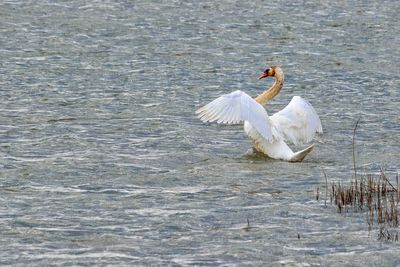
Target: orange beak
(263, 75)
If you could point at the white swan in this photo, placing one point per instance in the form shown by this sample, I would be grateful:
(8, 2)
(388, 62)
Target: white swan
(297, 122)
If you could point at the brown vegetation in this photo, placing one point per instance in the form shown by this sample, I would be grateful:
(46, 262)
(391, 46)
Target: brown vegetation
(376, 195)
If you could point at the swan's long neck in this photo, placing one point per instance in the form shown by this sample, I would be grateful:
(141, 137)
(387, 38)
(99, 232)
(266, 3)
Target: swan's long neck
(274, 89)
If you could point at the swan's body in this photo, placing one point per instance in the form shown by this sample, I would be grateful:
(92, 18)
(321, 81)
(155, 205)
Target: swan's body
(297, 122)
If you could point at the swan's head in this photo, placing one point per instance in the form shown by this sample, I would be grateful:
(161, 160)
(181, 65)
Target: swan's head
(270, 72)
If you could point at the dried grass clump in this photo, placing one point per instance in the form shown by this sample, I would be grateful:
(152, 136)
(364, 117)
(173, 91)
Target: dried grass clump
(374, 194)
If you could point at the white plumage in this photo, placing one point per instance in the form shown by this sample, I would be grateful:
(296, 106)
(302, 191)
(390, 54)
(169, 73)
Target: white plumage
(238, 107)
(297, 122)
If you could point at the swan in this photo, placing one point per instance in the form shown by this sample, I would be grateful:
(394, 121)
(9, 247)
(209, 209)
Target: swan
(297, 123)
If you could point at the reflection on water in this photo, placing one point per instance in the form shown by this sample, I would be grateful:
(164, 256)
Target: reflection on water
(104, 162)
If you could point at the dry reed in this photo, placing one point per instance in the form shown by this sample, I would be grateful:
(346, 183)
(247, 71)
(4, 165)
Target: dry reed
(374, 194)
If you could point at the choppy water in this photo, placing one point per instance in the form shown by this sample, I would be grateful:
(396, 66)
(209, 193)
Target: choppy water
(103, 161)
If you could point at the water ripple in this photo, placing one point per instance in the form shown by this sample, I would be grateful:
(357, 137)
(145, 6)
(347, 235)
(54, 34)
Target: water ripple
(103, 161)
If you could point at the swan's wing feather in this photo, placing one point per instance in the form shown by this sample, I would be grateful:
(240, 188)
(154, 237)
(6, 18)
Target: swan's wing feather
(297, 122)
(237, 107)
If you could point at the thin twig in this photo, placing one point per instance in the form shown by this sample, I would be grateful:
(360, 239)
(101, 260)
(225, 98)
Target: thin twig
(387, 180)
(326, 185)
(398, 188)
(354, 152)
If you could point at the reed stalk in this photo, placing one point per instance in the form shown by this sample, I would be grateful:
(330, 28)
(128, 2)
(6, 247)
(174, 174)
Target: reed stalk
(375, 195)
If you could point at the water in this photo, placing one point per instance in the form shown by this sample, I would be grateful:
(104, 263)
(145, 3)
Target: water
(103, 161)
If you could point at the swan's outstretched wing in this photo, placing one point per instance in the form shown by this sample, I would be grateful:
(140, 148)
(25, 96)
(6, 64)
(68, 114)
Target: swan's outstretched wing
(297, 122)
(238, 107)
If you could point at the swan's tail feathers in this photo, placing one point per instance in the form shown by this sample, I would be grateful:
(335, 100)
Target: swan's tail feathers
(300, 155)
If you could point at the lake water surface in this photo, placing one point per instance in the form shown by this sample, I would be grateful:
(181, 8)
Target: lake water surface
(103, 161)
